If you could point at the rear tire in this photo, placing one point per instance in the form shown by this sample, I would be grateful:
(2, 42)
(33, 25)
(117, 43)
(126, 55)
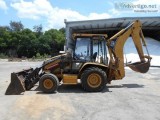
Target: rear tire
(48, 83)
(93, 79)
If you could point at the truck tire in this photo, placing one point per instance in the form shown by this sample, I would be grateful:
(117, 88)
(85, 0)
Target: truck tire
(93, 79)
(48, 83)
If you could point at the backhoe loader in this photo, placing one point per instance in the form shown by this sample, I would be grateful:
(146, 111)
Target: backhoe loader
(87, 61)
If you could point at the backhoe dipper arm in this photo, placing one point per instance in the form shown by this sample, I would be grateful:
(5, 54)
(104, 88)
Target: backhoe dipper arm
(116, 44)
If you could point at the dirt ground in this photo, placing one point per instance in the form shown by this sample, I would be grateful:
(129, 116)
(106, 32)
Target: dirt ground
(136, 97)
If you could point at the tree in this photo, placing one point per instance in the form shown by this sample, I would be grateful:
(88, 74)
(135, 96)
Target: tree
(38, 30)
(5, 37)
(17, 41)
(27, 44)
(16, 26)
(44, 45)
(62, 30)
(56, 40)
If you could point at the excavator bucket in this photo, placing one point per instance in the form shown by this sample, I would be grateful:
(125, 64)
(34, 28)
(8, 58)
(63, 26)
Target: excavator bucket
(16, 86)
(141, 67)
(22, 81)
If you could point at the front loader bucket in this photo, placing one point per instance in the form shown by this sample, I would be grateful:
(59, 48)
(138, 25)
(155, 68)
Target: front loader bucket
(16, 86)
(141, 67)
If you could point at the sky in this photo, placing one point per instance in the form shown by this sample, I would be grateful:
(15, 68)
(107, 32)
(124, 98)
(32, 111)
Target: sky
(51, 13)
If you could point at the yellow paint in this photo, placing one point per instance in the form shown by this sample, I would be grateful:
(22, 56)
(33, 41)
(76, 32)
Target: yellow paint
(116, 65)
(69, 79)
(48, 84)
(94, 80)
(51, 64)
(92, 64)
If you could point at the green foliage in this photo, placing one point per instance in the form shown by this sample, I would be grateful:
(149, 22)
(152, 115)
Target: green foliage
(17, 41)
(39, 56)
(3, 56)
(38, 30)
(16, 26)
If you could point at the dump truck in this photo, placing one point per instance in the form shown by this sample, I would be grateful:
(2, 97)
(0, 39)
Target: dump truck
(94, 60)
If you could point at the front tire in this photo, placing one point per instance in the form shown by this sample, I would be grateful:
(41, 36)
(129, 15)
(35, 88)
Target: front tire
(48, 83)
(93, 79)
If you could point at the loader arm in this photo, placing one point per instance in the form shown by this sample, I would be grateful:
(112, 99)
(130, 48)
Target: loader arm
(115, 46)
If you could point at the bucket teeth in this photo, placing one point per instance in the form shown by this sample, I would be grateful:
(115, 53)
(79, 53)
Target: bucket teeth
(16, 86)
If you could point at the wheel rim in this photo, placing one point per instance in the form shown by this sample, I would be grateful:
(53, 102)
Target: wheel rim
(48, 84)
(94, 80)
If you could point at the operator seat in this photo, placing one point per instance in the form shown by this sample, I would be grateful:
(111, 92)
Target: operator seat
(94, 56)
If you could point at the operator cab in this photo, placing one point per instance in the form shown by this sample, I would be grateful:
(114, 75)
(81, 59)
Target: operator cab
(90, 48)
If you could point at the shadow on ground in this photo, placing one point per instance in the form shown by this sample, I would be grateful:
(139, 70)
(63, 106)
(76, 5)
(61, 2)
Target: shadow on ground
(71, 89)
(126, 86)
(79, 89)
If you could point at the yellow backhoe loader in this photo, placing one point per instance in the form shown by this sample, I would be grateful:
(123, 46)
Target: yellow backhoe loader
(86, 62)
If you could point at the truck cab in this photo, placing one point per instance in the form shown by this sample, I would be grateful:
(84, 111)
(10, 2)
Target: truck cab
(90, 48)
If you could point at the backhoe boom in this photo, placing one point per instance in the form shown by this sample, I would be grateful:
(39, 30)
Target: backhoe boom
(115, 46)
